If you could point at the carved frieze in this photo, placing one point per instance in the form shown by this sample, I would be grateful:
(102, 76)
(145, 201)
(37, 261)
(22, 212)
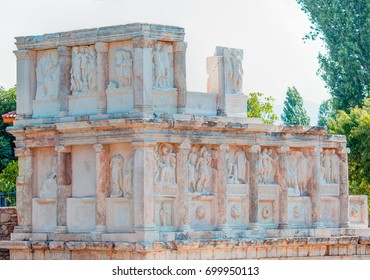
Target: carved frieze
(165, 164)
(47, 75)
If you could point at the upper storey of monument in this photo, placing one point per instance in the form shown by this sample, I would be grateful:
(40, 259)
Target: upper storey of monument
(101, 34)
(124, 71)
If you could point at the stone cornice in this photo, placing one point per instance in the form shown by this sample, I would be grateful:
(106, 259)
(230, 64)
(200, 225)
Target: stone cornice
(102, 34)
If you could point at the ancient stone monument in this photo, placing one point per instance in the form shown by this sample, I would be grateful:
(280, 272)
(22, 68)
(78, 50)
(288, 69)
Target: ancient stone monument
(117, 160)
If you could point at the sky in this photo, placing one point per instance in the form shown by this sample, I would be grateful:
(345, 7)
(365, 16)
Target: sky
(269, 31)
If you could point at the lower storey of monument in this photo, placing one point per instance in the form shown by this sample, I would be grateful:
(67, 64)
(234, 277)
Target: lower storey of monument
(323, 244)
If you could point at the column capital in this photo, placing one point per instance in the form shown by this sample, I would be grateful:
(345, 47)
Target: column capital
(25, 54)
(63, 149)
(21, 152)
(224, 147)
(283, 149)
(101, 47)
(64, 51)
(142, 42)
(255, 149)
(179, 46)
(99, 148)
(185, 145)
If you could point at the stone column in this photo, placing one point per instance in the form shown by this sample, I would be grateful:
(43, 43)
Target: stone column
(343, 188)
(183, 185)
(26, 82)
(283, 193)
(102, 75)
(143, 74)
(222, 187)
(216, 82)
(24, 193)
(253, 192)
(64, 180)
(143, 186)
(102, 185)
(179, 65)
(65, 64)
(315, 191)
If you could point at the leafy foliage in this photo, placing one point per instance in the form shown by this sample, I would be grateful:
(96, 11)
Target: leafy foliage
(7, 104)
(326, 111)
(260, 106)
(294, 112)
(8, 179)
(344, 26)
(356, 126)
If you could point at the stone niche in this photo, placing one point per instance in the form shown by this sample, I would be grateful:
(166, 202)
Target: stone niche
(118, 160)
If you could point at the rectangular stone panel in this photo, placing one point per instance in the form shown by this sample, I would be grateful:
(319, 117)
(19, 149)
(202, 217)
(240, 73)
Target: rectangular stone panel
(120, 100)
(237, 212)
(268, 212)
(201, 104)
(330, 211)
(44, 214)
(81, 214)
(202, 212)
(119, 214)
(165, 218)
(329, 189)
(81, 105)
(358, 211)
(165, 100)
(299, 212)
(84, 171)
(45, 108)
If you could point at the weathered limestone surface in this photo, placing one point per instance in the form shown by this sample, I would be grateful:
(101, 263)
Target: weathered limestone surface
(117, 160)
(8, 220)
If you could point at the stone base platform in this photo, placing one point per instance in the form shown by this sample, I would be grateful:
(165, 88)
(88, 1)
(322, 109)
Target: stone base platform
(346, 244)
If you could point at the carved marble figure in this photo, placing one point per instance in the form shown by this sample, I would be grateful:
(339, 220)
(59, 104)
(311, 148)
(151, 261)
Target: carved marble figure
(326, 166)
(123, 65)
(291, 175)
(202, 167)
(242, 166)
(162, 215)
(83, 71)
(167, 165)
(192, 174)
(232, 168)
(234, 69)
(129, 169)
(46, 75)
(334, 164)
(161, 67)
(116, 167)
(303, 173)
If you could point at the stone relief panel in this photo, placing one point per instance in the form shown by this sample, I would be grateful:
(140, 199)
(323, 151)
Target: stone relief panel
(162, 66)
(120, 65)
(116, 220)
(299, 171)
(201, 170)
(164, 214)
(202, 212)
(49, 186)
(267, 166)
(165, 171)
(299, 212)
(237, 166)
(358, 211)
(47, 75)
(330, 211)
(83, 71)
(330, 167)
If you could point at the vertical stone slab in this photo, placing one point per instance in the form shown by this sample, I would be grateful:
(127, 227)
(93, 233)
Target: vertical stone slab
(64, 180)
(143, 74)
(179, 50)
(216, 82)
(222, 187)
(26, 82)
(65, 64)
(143, 186)
(102, 185)
(102, 75)
(315, 191)
(183, 185)
(24, 189)
(283, 193)
(253, 196)
(343, 188)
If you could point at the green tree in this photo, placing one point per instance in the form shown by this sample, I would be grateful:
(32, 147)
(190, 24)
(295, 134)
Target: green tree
(326, 110)
(260, 106)
(8, 178)
(356, 126)
(294, 113)
(344, 27)
(7, 104)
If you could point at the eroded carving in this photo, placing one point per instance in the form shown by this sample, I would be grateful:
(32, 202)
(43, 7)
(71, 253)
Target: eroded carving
(266, 212)
(200, 212)
(233, 70)
(83, 71)
(162, 215)
(116, 170)
(235, 211)
(267, 166)
(47, 75)
(330, 166)
(202, 167)
(123, 67)
(49, 186)
(161, 65)
(166, 161)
